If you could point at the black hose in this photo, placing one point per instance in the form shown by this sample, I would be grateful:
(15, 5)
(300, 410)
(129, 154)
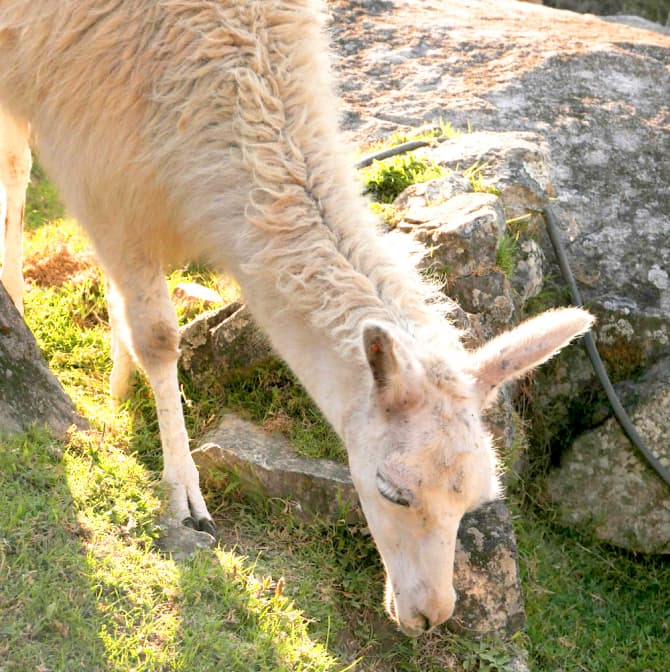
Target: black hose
(597, 363)
(598, 366)
(397, 149)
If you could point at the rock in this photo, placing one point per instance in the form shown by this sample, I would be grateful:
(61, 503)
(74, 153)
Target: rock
(182, 542)
(221, 340)
(266, 465)
(486, 576)
(192, 293)
(600, 107)
(29, 393)
(460, 235)
(656, 10)
(639, 22)
(515, 164)
(528, 274)
(416, 197)
(489, 292)
(607, 487)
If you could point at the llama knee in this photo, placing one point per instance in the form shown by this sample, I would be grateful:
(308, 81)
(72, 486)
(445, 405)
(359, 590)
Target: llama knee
(15, 165)
(155, 344)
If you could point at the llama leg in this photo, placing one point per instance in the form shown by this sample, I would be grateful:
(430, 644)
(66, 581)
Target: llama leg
(15, 164)
(154, 339)
(123, 365)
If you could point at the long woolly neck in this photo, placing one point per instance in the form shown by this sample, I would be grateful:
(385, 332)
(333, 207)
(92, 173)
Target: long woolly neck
(312, 230)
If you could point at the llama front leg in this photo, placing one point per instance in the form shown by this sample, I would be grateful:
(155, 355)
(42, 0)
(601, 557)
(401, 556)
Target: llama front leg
(141, 300)
(123, 365)
(15, 164)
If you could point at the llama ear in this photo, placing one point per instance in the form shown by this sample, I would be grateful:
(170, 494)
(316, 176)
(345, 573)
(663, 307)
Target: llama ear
(515, 352)
(395, 373)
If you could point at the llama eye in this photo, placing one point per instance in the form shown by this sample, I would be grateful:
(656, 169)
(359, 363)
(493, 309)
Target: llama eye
(391, 492)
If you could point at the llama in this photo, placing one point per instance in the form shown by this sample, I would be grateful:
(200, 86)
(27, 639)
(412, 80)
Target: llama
(207, 129)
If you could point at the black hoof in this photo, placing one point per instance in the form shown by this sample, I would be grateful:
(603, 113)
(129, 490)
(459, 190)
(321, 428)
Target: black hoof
(206, 525)
(189, 522)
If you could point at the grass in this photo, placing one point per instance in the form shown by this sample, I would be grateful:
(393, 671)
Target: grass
(82, 586)
(589, 606)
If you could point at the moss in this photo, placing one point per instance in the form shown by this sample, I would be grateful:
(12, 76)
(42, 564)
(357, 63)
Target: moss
(625, 359)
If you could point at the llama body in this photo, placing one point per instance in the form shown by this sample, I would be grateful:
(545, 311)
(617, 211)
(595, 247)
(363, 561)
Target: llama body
(199, 129)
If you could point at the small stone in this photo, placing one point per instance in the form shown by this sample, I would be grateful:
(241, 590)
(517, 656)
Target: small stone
(194, 293)
(182, 542)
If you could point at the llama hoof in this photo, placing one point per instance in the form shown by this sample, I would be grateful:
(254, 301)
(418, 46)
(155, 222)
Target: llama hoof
(206, 525)
(201, 525)
(189, 522)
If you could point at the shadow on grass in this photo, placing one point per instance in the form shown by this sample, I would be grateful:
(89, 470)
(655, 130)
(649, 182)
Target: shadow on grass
(50, 617)
(81, 591)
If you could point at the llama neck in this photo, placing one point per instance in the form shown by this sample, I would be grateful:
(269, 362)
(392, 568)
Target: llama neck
(333, 381)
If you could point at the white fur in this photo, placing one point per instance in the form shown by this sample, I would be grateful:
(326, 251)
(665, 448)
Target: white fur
(206, 129)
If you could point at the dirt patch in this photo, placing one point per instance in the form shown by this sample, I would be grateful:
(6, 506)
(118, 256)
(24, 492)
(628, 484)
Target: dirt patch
(53, 268)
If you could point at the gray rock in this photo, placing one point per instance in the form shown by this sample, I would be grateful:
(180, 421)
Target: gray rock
(266, 465)
(592, 95)
(606, 486)
(515, 164)
(460, 235)
(29, 393)
(601, 108)
(486, 576)
(416, 197)
(528, 275)
(489, 292)
(182, 542)
(220, 340)
(638, 22)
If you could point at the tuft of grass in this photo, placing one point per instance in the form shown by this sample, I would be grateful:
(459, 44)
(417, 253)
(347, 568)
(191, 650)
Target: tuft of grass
(506, 254)
(386, 179)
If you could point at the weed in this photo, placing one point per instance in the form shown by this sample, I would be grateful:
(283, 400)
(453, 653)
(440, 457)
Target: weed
(506, 254)
(386, 179)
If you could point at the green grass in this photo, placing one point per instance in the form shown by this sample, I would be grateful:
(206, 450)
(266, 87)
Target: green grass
(82, 586)
(506, 254)
(589, 606)
(386, 179)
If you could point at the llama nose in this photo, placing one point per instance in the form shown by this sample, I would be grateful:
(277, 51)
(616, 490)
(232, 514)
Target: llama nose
(426, 625)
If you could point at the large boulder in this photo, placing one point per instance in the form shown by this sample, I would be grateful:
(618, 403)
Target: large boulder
(606, 486)
(29, 393)
(596, 92)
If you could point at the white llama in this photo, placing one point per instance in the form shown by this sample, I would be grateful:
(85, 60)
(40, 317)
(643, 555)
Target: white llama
(206, 129)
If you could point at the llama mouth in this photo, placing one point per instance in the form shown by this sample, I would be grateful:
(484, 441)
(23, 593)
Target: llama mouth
(390, 602)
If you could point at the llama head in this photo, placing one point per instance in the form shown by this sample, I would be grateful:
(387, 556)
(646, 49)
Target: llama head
(420, 457)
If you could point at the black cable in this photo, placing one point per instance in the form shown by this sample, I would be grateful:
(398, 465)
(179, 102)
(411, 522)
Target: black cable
(397, 149)
(597, 363)
(598, 366)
